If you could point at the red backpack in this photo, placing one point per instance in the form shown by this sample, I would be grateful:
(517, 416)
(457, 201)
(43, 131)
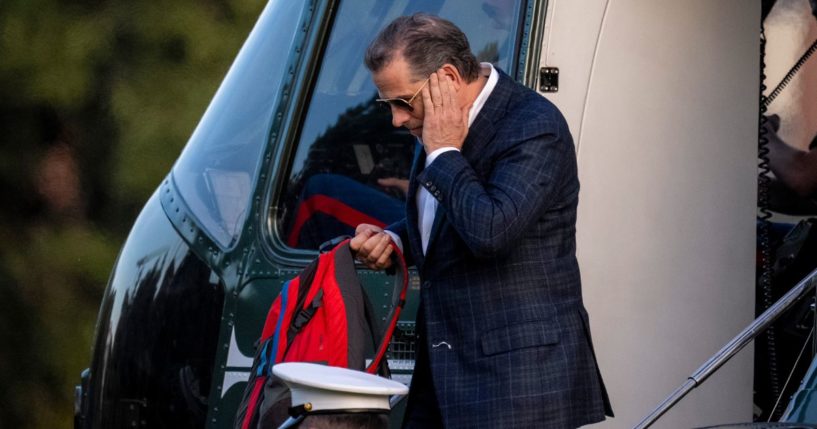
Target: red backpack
(320, 316)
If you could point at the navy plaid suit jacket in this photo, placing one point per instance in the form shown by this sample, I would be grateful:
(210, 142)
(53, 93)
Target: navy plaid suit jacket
(506, 333)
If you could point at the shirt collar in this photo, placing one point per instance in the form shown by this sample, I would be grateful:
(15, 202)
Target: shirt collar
(493, 78)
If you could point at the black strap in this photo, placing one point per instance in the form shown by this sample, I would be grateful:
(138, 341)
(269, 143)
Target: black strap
(329, 245)
(304, 285)
(302, 317)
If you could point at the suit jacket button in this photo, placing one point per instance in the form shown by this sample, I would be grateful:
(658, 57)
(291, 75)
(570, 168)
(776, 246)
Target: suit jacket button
(426, 284)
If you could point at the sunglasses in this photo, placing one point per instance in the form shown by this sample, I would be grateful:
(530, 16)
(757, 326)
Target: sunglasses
(402, 103)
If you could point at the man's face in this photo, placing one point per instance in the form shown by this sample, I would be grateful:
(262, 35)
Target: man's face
(395, 81)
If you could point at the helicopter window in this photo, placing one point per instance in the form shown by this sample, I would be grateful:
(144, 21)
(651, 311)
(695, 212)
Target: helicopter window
(215, 173)
(350, 165)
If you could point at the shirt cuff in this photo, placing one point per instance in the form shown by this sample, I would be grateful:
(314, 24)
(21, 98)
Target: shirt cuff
(436, 152)
(395, 238)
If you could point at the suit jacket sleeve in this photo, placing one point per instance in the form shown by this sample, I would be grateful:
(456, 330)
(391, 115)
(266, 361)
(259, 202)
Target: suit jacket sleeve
(524, 177)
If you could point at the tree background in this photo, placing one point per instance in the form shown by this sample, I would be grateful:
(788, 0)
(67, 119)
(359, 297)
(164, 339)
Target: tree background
(97, 99)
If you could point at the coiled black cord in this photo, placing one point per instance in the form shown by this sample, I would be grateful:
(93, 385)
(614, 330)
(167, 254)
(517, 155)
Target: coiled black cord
(764, 214)
(789, 76)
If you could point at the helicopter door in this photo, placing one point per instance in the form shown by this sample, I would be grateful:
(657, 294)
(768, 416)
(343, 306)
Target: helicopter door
(350, 165)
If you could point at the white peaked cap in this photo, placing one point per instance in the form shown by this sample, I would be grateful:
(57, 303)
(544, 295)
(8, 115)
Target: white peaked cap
(334, 388)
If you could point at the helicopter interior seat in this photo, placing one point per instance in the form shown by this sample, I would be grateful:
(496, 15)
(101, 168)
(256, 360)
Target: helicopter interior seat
(339, 185)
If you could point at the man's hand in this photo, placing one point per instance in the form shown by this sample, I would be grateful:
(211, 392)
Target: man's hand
(372, 246)
(445, 123)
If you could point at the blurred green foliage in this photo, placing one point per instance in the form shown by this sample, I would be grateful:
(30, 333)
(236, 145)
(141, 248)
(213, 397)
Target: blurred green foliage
(97, 99)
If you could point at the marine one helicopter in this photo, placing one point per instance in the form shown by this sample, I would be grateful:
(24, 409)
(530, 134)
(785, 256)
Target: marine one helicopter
(662, 98)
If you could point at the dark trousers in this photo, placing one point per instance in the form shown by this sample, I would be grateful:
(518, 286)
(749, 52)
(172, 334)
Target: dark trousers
(422, 410)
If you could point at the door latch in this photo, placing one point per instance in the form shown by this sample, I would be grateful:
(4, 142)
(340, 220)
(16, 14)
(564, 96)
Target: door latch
(549, 79)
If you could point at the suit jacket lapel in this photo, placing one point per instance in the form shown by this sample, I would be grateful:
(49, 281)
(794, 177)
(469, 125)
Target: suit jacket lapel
(412, 229)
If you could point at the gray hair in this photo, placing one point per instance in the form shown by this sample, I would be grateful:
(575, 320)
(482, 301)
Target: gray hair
(426, 42)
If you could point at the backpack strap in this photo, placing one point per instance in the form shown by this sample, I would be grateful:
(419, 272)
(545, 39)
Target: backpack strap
(301, 316)
(398, 302)
(374, 329)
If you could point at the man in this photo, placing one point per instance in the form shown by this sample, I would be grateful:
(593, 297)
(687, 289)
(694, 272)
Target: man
(503, 336)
